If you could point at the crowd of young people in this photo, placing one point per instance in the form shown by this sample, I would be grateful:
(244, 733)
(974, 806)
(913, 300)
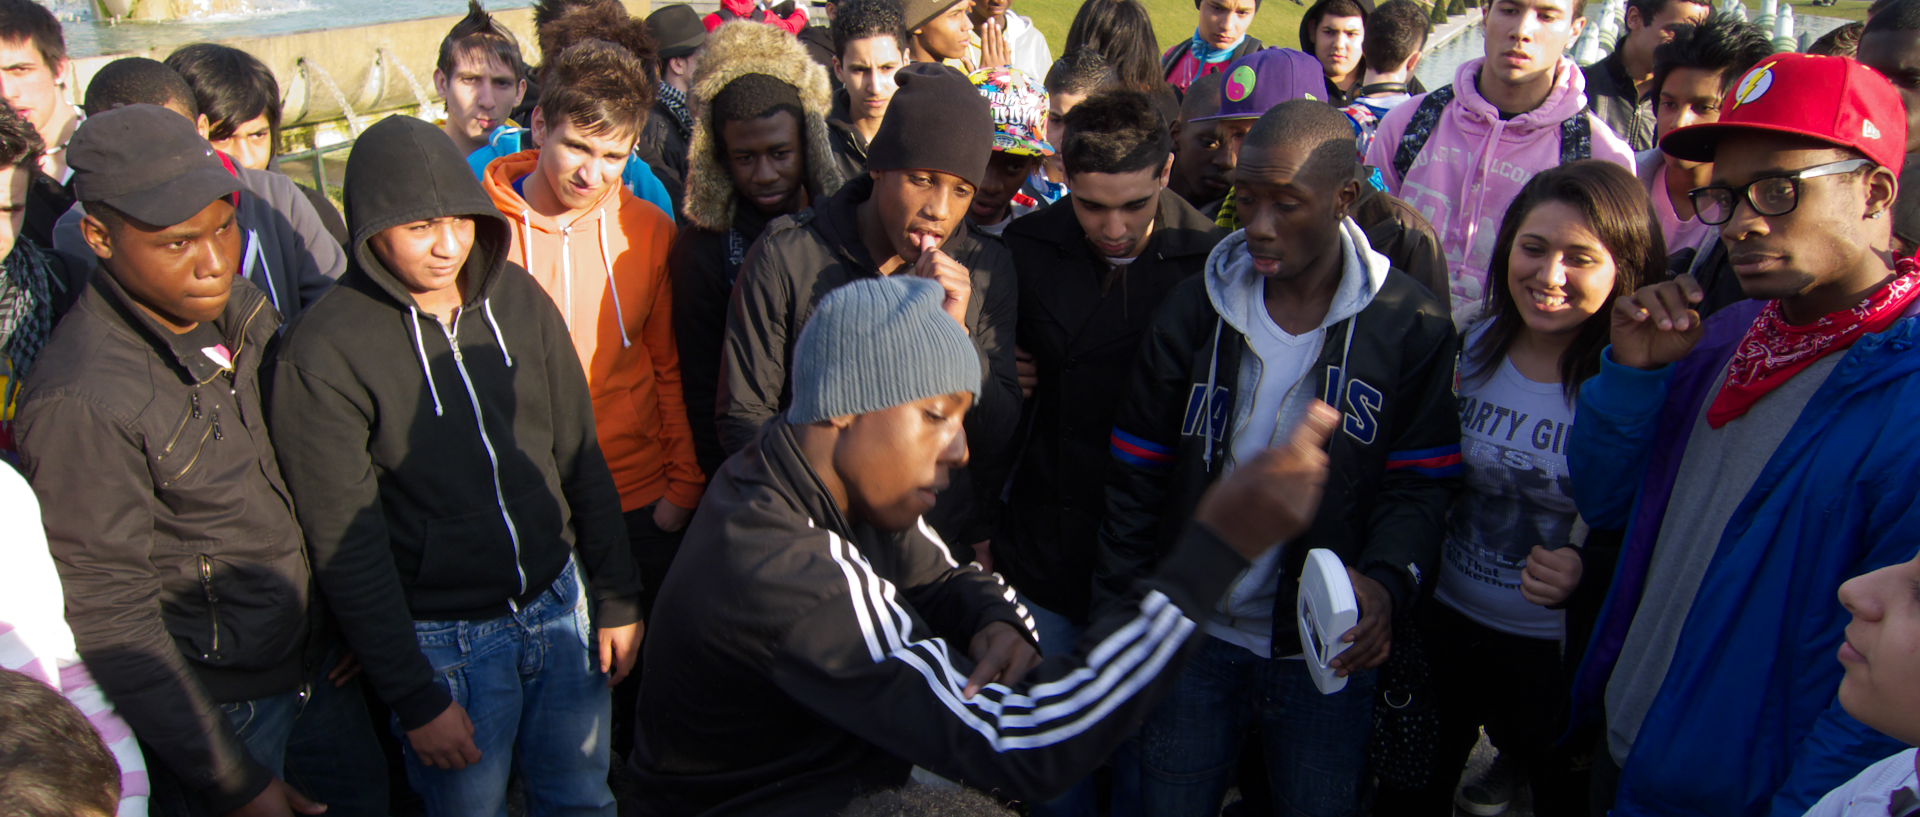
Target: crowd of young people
(733, 415)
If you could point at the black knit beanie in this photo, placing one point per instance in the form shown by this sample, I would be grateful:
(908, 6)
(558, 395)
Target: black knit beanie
(936, 121)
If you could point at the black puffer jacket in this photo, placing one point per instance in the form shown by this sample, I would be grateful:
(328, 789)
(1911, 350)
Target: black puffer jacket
(797, 262)
(1396, 460)
(185, 576)
(443, 470)
(1082, 325)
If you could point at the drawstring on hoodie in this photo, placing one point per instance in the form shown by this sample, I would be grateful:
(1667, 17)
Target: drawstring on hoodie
(486, 308)
(1213, 372)
(607, 258)
(421, 347)
(566, 269)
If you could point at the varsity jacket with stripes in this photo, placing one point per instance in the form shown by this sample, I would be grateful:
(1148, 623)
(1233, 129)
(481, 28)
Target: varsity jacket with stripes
(1396, 463)
(796, 660)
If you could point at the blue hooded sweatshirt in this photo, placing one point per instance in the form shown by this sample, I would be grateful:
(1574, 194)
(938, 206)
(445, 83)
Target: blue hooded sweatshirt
(1746, 721)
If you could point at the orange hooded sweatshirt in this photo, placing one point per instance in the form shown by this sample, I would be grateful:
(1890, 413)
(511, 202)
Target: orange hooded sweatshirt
(607, 271)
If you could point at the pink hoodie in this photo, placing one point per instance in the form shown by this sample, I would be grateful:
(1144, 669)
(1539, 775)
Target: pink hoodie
(1475, 164)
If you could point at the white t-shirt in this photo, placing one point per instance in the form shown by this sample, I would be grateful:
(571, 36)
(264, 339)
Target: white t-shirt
(1513, 439)
(1245, 616)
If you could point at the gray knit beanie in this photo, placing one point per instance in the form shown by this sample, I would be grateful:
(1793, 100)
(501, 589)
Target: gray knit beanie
(878, 343)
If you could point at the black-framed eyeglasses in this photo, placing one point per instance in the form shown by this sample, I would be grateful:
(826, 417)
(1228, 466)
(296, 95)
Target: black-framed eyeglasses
(1769, 195)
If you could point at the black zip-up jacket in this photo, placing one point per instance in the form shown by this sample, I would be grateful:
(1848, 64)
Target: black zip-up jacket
(704, 264)
(185, 576)
(443, 471)
(797, 659)
(849, 147)
(797, 262)
(1612, 96)
(1082, 324)
(1395, 461)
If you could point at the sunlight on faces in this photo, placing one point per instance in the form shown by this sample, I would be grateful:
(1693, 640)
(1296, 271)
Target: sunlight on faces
(1201, 160)
(181, 275)
(1005, 173)
(28, 83)
(1337, 43)
(579, 166)
(1116, 210)
(767, 162)
(1896, 55)
(867, 69)
(1642, 39)
(1225, 22)
(947, 35)
(914, 205)
(983, 10)
(1688, 96)
(481, 93)
(1558, 270)
(1526, 38)
(1819, 241)
(1291, 214)
(895, 462)
(14, 180)
(1881, 652)
(426, 256)
(250, 144)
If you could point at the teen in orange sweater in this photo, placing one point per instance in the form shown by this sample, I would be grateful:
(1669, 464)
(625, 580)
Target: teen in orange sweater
(601, 254)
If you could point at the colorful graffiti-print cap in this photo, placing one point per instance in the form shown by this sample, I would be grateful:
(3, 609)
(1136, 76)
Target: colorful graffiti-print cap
(1019, 104)
(1266, 78)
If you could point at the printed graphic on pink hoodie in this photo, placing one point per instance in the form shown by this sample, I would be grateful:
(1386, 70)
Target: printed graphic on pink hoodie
(1475, 163)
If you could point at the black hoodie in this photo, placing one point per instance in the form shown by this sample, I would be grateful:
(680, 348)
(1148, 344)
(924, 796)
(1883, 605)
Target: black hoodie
(441, 471)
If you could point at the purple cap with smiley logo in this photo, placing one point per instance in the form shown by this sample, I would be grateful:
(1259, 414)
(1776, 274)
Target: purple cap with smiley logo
(1266, 78)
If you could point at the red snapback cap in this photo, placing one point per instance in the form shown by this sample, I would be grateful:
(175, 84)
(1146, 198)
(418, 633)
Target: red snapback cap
(1833, 99)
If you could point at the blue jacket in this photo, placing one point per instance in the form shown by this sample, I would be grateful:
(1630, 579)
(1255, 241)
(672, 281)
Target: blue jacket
(1747, 721)
(507, 140)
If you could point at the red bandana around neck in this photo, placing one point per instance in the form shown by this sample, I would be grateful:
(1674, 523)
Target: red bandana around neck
(1773, 350)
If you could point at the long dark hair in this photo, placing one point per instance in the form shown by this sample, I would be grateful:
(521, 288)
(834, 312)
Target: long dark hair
(1618, 211)
(1122, 32)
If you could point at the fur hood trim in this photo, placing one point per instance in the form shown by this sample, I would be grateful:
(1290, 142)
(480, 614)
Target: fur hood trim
(734, 50)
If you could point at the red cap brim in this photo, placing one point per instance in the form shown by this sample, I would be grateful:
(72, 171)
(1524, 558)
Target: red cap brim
(1695, 143)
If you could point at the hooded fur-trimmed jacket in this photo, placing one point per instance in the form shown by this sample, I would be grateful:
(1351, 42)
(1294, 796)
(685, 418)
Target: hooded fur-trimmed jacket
(719, 226)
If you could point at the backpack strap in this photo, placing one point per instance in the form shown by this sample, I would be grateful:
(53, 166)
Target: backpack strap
(1576, 137)
(1419, 129)
(1172, 58)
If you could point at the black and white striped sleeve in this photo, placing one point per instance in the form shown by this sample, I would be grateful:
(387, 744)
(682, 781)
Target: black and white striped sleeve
(866, 660)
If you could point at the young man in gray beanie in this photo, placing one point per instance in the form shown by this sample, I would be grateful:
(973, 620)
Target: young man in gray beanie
(906, 216)
(806, 647)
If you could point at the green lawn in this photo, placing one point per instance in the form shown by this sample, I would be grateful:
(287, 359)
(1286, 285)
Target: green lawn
(1277, 24)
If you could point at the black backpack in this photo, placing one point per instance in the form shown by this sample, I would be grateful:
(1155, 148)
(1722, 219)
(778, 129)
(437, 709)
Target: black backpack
(1576, 133)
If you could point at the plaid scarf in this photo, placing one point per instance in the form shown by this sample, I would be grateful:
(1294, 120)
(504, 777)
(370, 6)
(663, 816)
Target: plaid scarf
(676, 102)
(1773, 350)
(27, 287)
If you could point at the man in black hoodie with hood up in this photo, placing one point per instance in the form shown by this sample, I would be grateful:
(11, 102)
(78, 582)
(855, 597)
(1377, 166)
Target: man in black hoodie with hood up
(441, 449)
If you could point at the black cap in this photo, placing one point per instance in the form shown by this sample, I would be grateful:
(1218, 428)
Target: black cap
(147, 162)
(936, 121)
(677, 30)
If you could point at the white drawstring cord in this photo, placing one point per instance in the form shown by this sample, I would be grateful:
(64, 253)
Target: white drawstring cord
(486, 306)
(421, 347)
(611, 284)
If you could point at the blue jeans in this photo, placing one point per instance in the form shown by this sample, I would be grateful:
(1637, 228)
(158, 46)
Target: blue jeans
(318, 739)
(540, 707)
(1058, 636)
(1315, 745)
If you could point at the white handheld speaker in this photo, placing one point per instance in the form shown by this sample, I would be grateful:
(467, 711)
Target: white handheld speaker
(1327, 610)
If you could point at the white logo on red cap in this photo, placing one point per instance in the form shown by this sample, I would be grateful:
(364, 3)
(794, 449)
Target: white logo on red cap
(1868, 130)
(1754, 85)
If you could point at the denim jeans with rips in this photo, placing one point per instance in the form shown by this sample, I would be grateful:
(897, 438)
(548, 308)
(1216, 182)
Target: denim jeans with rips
(1315, 745)
(540, 708)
